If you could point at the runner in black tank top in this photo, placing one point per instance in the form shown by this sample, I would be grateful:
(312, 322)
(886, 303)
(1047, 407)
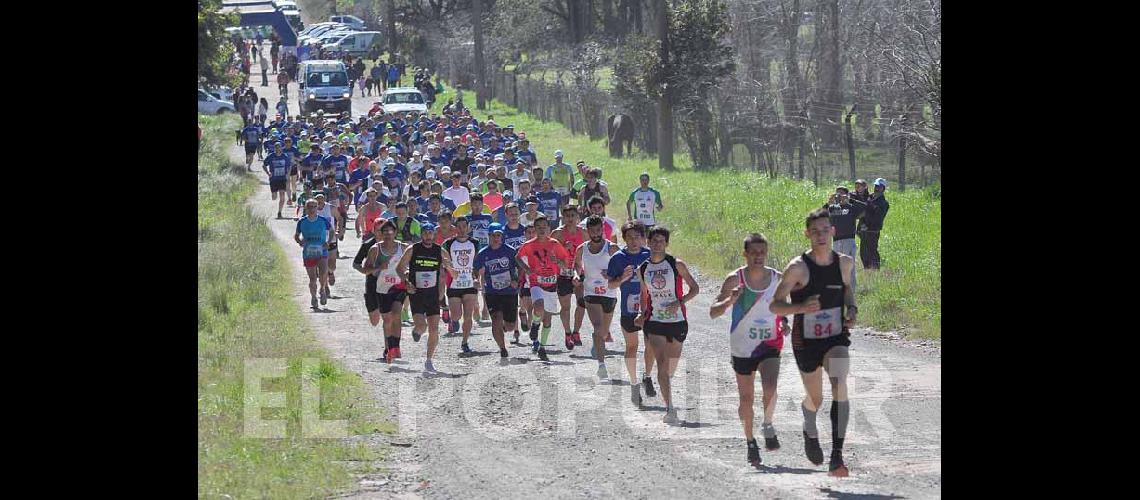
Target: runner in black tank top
(422, 271)
(818, 284)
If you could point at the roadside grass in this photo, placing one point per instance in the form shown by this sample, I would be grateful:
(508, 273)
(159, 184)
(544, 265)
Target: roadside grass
(245, 312)
(710, 213)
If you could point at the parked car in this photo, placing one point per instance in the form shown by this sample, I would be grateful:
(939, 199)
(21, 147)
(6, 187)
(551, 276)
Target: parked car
(353, 21)
(211, 105)
(404, 100)
(356, 43)
(222, 93)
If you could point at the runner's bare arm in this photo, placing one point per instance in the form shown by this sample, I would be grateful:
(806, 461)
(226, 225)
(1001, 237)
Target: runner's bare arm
(795, 275)
(729, 292)
(298, 239)
(370, 264)
(578, 259)
(847, 268)
(402, 270)
(523, 269)
(694, 287)
(645, 302)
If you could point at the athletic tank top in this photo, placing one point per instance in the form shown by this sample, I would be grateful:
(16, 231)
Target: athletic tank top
(827, 282)
(595, 282)
(663, 282)
(571, 241)
(463, 260)
(370, 216)
(388, 279)
(424, 267)
(404, 233)
(753, 323)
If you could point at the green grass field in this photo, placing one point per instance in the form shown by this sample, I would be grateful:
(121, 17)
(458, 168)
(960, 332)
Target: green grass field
(711, 213)
(245, 312)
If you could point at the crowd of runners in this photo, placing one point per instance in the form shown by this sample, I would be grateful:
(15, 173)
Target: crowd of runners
(460, 222)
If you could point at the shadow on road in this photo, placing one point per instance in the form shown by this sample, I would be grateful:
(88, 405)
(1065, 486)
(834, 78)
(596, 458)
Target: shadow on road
(856, 496)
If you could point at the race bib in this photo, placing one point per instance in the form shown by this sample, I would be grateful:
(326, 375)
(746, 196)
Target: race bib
(662, 315)
(633, 303)
(480, 234)
(279, 171)
(313, 250)
(823, 324)
(463, 280)
(760, 329)
(426, 279)
(547, 280)
(391, 280)
(501, 281)
(568, 273)
(600, 286)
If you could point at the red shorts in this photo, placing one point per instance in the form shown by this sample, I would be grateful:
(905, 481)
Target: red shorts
(313, 262)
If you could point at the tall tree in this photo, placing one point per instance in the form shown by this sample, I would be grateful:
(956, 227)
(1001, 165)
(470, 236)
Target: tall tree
(480, 70)
(214, 51)
(664, 98)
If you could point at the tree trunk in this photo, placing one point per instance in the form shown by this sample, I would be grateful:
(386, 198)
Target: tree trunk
(850, 142)
(902, 156)
(480, 70)
(830, 103)
(608, 25)
(803, 144)
(665, 102)
(390, 22)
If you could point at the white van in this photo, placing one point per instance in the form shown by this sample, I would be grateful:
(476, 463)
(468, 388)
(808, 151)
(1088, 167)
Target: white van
(357, 43)
(323, 86)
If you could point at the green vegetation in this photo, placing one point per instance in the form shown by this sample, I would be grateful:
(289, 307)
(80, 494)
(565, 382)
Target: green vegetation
(246, 312)
(711, 213)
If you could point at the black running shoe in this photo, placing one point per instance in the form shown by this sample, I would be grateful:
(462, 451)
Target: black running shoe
(772, 443)
(753, 453)
(812, 449)
(836, 467)
(542, 356)
(502, 353)
(649, 390)
(416, 336)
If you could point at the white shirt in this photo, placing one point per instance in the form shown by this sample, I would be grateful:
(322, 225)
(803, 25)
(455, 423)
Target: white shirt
(458, 195)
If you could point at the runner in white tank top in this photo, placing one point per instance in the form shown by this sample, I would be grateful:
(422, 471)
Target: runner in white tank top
(592, 260)
(756, 337)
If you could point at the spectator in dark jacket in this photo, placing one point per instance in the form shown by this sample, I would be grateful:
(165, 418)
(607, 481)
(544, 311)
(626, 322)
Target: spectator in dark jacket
(872, 224)
(843, 211)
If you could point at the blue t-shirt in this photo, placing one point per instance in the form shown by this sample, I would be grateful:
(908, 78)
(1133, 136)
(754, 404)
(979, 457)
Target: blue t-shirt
(500, 275)
(631, 288)
(360, 174)
(448, 204)
(528, 156)
(514, 237)
(340, 164)
(292, 151)
(315, 234)
(310, 163)
(252, 134)
(548, 204)
(424, 202)
(427, 217)
(278, 166)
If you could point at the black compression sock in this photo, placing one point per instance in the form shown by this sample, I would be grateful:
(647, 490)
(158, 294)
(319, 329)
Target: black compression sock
(840, 414)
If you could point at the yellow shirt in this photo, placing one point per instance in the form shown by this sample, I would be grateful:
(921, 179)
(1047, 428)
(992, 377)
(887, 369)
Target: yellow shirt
(465, 209)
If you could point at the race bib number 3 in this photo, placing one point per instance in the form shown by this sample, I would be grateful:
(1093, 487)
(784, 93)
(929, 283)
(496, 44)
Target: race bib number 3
(823, 324)
(425, 279)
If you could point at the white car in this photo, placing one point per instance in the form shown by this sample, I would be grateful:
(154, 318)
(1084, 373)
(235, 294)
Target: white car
(210, 105)
(222, 93)
(353, 21)
(403, 100)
